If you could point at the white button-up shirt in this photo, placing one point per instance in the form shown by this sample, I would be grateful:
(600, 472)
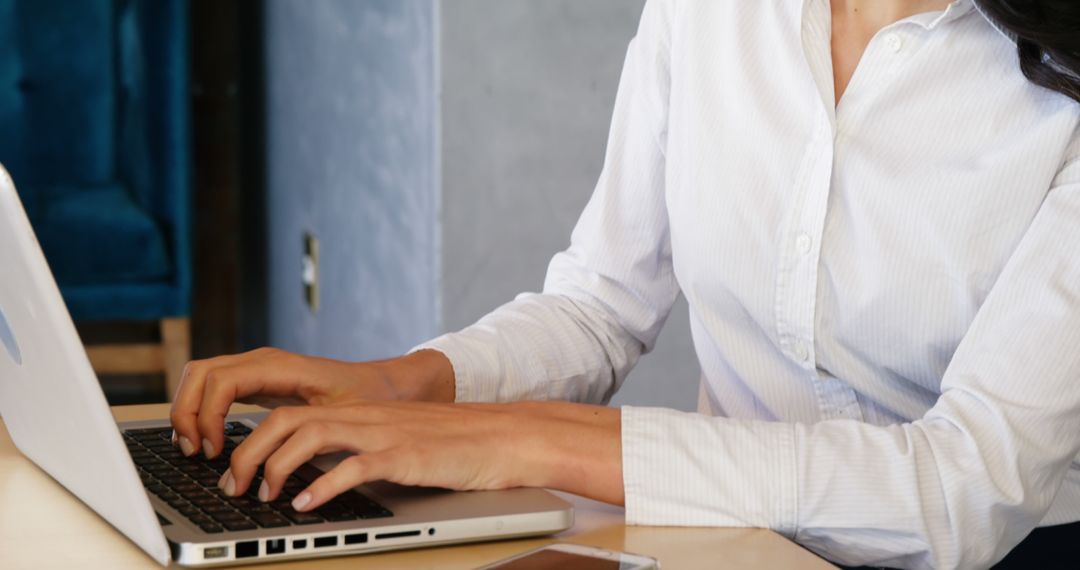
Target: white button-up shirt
(884, 293)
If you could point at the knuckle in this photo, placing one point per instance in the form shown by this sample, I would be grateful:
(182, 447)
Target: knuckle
(190, 369)
(354, 466)
(212, 378)
(274, 469)
(240, 460)
(316, 430)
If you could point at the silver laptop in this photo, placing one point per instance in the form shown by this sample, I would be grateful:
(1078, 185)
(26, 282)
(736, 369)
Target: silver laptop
(169, 505)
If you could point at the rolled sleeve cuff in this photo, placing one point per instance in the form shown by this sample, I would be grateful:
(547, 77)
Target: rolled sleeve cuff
(683, 469)
(467, 384)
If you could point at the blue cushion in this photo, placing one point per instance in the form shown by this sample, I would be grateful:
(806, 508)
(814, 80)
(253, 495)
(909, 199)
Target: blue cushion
(94, 128)
(58, 84)
(98, 235)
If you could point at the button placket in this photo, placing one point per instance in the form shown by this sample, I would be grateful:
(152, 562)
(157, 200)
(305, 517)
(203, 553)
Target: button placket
(799, 259)
(797, 275)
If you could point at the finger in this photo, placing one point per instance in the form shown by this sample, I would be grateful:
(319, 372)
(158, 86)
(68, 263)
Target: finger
(257, 373)
(185, 408)
(223, 386)
(351, 472)
(263, 441)
(278, 427)
(311, 439)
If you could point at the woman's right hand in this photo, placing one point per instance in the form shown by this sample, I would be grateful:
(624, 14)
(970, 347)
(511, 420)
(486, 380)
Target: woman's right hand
(271, 377)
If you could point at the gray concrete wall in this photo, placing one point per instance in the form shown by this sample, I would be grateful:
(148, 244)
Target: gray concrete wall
(527, 93)
(351, 140)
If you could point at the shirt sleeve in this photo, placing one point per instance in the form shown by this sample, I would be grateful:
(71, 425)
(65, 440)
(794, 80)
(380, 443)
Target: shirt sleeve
(607, 296)
(959, 487)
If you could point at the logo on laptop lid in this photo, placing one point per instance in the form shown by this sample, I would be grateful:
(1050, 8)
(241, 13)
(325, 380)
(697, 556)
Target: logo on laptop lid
(7, 338)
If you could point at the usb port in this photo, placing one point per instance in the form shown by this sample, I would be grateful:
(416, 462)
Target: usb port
(358, 538)
(247, 549)
(324, 541)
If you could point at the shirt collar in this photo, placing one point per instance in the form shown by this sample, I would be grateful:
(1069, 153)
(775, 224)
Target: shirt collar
(931, 20)
(1003, 31)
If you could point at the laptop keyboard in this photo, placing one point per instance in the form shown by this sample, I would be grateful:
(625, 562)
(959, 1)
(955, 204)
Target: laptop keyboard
(189, 485)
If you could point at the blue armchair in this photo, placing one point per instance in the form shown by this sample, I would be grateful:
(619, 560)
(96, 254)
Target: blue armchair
(94, 128)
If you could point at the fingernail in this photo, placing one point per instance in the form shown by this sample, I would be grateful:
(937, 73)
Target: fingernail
(208, 448)
(230, 486)
(264, 492)
(186, 447)
(173, 439)
(224, 477)
(301, 501)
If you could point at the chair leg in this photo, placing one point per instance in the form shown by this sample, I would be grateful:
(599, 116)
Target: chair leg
(176, 342)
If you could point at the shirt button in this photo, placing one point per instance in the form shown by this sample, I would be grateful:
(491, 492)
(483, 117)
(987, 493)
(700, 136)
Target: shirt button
(801, 352)
(894, 42)
(803, 243)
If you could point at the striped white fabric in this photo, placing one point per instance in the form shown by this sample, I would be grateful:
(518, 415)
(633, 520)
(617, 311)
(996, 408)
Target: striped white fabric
(884, 293)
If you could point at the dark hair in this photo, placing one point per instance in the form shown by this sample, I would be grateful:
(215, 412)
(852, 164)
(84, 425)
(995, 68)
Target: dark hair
(1047, 34)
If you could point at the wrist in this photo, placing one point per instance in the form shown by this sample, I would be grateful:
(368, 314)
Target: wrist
(575, 448)
(424, 375)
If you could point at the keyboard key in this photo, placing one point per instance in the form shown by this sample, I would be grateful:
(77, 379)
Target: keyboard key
(203, 494)
(236, 428)
(190, 469)
(208, 481)
(302, 518)
(241, 502)
(240, 525)
(307, 473)
(186, 487)
(217, 466)
(201, 519)
(173, 479)
(338, 516)
(176, 501)
(281, 505)
(269, 520)
(231, 516)
(205, 501)
(211, 528)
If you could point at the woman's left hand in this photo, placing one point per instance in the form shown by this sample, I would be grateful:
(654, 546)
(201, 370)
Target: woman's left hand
(571, 447)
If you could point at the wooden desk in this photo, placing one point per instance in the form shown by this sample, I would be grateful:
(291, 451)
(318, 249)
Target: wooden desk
(43, 526)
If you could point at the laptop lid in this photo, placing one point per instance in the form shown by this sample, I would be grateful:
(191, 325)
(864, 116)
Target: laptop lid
(50, 399)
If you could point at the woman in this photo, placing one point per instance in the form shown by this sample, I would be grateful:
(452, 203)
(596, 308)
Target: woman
(875, 219)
